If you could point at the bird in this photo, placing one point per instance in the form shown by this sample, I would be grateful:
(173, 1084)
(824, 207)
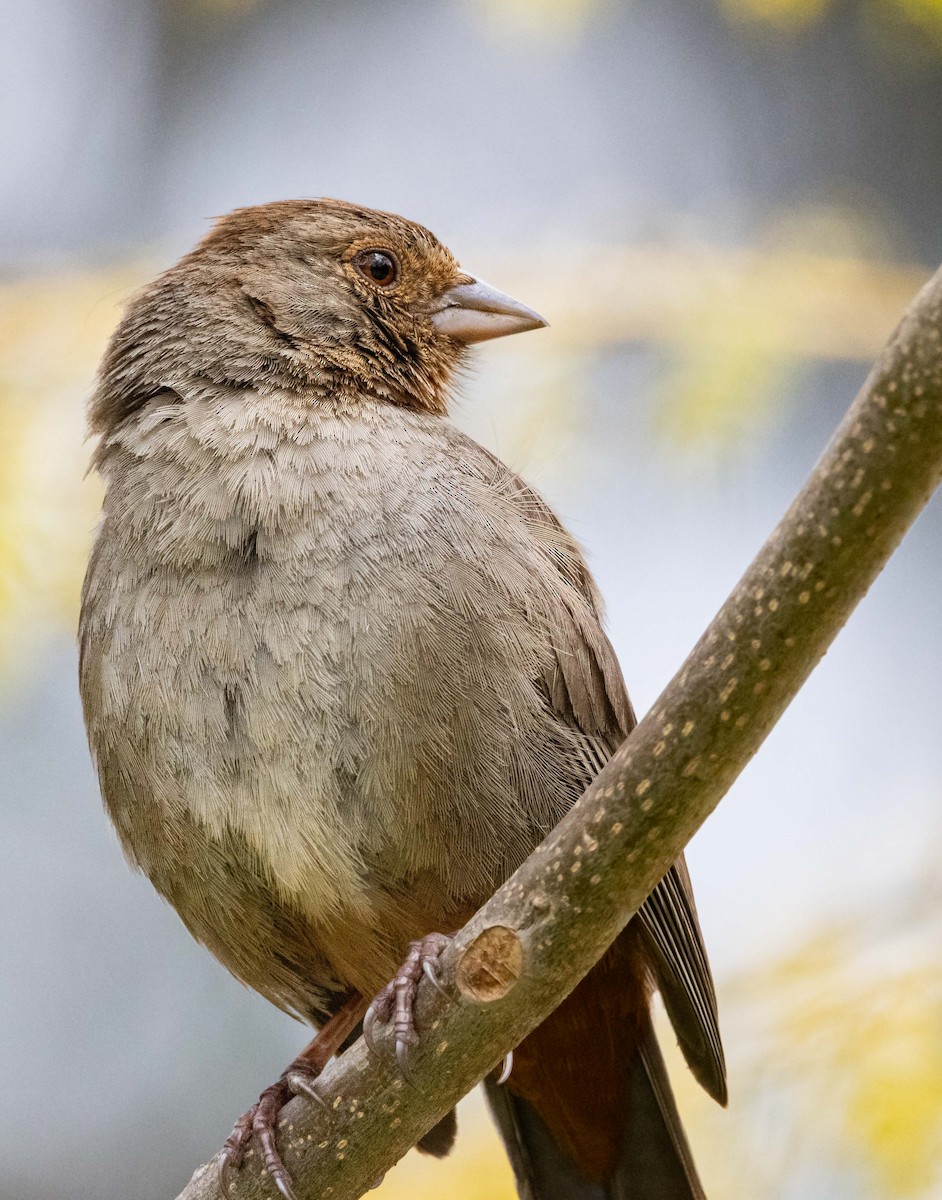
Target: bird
(342, 670)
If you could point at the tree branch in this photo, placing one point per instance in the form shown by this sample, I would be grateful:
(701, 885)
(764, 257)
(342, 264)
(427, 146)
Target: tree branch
(553, 919)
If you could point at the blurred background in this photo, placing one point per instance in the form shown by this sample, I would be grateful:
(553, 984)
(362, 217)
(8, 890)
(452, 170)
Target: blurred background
(722, 206)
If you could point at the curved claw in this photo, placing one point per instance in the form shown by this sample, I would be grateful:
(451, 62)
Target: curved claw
(395, 1004)
(507, 1067)
(283, 1186)
(223, 1164)
(432, 976)
(302, 1086)
(370, 1017)
(402, 1057)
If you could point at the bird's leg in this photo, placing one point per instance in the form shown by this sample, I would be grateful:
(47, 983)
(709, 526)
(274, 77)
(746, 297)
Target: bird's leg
(397, 999)
(297, 1078)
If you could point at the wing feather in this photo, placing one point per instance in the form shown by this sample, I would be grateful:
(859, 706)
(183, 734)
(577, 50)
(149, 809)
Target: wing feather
(587, 689)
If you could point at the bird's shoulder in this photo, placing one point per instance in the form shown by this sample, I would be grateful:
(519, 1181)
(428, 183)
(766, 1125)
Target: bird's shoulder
(584, 682)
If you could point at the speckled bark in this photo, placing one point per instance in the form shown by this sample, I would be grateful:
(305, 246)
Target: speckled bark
(530, 945)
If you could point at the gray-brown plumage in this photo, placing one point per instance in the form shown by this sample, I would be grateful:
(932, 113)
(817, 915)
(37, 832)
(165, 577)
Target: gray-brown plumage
(342, 669)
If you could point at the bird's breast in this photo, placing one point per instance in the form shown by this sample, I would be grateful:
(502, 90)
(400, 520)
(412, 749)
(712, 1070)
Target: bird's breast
(294, 639)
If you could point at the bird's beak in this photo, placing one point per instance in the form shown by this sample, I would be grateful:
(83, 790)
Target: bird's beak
(475, 312)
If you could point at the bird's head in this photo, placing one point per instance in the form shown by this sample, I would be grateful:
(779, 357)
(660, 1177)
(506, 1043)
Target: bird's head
(317, 296)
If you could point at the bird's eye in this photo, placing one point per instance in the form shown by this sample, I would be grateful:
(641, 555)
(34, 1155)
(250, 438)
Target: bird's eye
(378, 266)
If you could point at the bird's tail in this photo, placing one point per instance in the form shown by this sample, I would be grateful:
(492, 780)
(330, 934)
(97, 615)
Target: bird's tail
(653, 1162)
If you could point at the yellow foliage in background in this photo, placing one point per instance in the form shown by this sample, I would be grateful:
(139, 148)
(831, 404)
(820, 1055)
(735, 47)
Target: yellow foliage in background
(52, 332)
(551, 23)
(477, 1168)
(555, 21)
(783, 14)
(835, 1061)
(790, 16)
(734, 325)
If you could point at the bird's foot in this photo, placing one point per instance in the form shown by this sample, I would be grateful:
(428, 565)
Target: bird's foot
(260, 1121)
(299, 1079)
(396, 1001)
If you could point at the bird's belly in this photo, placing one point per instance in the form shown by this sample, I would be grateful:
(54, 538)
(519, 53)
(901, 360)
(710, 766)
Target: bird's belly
(325, 698)
(290, 776)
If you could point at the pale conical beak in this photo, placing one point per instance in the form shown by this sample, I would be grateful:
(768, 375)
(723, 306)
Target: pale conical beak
(475, 312)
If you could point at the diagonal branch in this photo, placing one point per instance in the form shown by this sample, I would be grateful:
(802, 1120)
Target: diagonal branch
(554, 918)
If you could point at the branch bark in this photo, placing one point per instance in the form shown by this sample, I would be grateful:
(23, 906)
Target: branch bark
(552, 920)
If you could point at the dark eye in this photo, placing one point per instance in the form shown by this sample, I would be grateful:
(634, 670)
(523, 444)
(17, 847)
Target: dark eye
(378, 266)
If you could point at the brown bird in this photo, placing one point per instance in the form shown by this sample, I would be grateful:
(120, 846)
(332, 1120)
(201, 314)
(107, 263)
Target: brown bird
(342, 670)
